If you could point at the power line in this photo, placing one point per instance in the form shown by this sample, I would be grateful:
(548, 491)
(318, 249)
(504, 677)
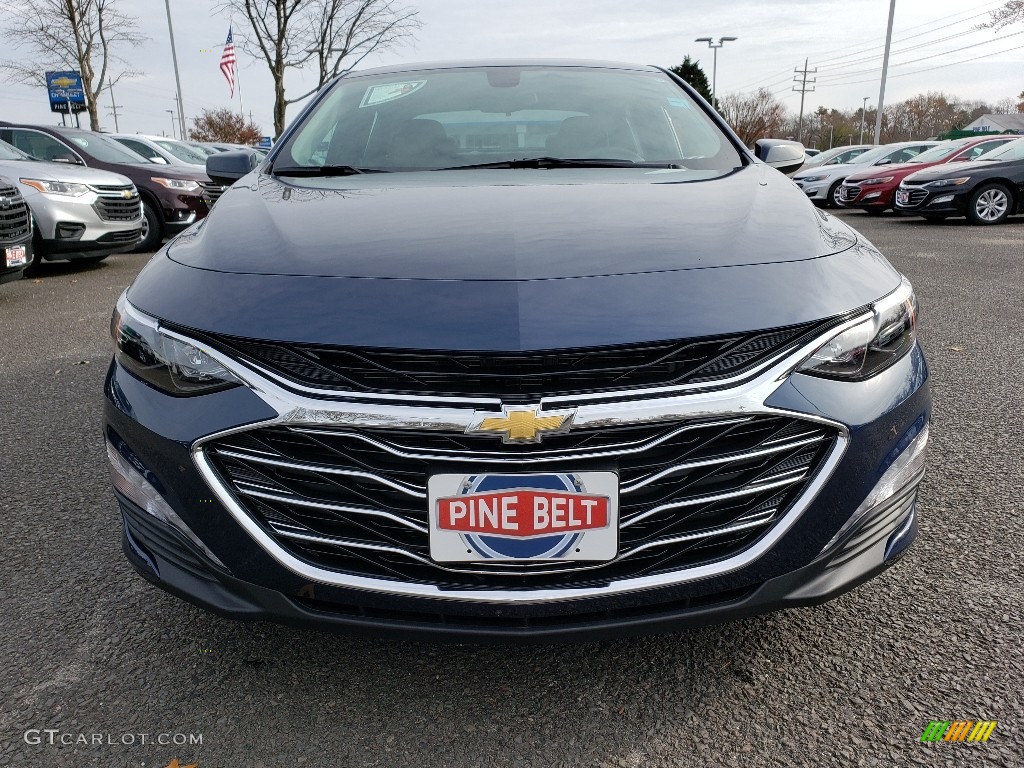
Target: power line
(929, 69)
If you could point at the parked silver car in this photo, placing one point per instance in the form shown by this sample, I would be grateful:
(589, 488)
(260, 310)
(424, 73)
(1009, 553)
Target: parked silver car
(160, 149)
(821, 183)
(81, 214)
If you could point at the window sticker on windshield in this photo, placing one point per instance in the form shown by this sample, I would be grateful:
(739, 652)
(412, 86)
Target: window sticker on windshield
(378, 94)
(679, 103)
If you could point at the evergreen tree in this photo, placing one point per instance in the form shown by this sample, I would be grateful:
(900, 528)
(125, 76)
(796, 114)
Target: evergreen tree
(691, 72)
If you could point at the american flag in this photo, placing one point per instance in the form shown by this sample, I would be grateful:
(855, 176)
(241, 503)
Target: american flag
(227, 62)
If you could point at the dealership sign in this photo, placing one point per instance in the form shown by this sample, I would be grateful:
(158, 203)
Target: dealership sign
(66, 92)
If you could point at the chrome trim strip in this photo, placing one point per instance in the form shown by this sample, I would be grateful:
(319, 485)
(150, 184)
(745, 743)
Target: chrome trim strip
(298, 501)
(707, 533)
(317, 539)
(534, 456)
(748, 490)
(778, 448)
(327, 470)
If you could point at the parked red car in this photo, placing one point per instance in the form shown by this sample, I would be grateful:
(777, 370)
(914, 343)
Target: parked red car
(874, 190)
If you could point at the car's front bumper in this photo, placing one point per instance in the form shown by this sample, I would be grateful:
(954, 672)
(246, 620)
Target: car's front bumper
(73, 227)
(815, 190)
(800, 567)
(866, 198)
(936, 203)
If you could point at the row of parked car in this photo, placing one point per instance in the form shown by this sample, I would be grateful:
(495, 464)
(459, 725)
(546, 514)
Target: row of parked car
(79, 195)
(981, 178)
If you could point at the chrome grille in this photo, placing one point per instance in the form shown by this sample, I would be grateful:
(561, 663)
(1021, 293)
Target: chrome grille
(15, 220)
(355, 501)
(849, 192)
(112, 205)
(915, 196)
(211, 191)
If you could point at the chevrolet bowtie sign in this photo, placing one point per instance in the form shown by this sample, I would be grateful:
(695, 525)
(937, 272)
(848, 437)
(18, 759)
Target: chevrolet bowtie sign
(526, 424)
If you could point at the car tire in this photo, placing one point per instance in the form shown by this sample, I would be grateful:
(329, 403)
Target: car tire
(32, 267)
(833, 195)
(990, 204)
(152, 230)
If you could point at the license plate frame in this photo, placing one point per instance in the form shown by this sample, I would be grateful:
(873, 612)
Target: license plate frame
(15, 256)
(564, 517)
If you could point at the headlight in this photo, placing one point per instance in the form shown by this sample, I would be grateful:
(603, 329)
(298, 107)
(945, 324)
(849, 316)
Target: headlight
(169, 364)
(66, 188)
(949, 182)
(179, 185)
(877, 180)
(873, 345)
(809, 178)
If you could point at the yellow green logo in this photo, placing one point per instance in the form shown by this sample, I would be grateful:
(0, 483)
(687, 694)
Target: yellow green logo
(958, 730)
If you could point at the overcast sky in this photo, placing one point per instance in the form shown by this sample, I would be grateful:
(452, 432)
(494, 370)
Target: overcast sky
(932, 43)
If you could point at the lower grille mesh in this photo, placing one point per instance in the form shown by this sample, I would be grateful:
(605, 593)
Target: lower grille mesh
(355, 501)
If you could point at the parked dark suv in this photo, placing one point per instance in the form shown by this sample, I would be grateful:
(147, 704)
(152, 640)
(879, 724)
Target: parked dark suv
(172, 197)
(15, 232)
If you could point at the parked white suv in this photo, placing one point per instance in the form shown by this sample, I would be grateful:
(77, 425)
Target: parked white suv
(80, 214)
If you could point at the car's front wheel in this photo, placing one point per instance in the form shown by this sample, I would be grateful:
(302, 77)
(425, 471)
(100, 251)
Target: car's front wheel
(990, 204)
(152, 230)
(833, 195)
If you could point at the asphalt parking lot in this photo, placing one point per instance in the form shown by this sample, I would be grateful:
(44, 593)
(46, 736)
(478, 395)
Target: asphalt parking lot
(91, 650)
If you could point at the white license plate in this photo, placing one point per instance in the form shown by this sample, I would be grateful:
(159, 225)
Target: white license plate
(524, 517)
(902, 196)
(15, 256)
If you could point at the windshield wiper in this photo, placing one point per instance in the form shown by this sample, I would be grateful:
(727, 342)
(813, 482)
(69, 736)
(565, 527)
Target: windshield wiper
(561, 162)
(322, 170)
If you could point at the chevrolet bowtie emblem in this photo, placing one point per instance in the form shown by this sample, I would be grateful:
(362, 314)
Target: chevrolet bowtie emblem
(521, 424)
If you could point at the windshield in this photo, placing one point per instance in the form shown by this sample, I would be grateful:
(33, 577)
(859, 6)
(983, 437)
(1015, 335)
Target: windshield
(1013, 150)
(8, 152)
(180, 151)
(103, 148)
(940, 152)
(430, 119)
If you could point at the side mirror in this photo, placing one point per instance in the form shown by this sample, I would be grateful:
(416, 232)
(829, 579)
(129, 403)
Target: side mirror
(158, 160)
(228, 167)
(786, 156)
(884, 161)
(68, 159)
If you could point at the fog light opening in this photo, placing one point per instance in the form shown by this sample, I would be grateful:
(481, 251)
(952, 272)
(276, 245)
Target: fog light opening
(131, 483)
(905, 468)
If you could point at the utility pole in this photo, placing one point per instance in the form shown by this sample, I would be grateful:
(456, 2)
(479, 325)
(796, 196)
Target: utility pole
(177, 77)
(173, 119)
(885, 72)
(863, 109)
(114, 106)
(803, 86)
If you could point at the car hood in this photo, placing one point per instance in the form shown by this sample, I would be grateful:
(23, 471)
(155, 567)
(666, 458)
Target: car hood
(894, 169)
(75, 174)
(954, 170)
(500, 262)
(509, 225)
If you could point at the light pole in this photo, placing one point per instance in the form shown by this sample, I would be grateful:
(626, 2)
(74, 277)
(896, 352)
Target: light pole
(885, 72)
(863, 109)
(177, 77)
(714, 63)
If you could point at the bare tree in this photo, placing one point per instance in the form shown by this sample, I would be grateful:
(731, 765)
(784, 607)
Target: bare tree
(333, 35)
(224, 125)
(1012, 11)
(82, 35)
(753, 116)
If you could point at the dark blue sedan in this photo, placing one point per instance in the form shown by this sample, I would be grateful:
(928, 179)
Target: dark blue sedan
(514, 351)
